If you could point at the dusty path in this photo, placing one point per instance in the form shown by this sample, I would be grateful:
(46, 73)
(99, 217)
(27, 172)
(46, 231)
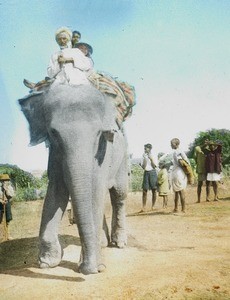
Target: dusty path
(169, 256)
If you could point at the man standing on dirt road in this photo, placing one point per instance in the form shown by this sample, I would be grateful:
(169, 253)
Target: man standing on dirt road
(213, 164)
(200, 157)
(149, 177)
(6, 193)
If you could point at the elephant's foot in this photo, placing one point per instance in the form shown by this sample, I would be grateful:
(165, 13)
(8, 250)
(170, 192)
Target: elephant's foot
(43, 265)
(119, 240)
(121, 244)
(87, 269)
(45, 262)
(101, 268)
(50, 256)
(90, 268)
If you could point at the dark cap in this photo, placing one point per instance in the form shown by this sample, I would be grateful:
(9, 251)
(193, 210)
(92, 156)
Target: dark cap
(148, 146)
(90, 48)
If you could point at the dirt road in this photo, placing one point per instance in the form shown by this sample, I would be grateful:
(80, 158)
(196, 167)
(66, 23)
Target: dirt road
(169, 256)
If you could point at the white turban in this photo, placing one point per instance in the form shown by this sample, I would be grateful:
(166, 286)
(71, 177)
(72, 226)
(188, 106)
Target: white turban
(63, 30)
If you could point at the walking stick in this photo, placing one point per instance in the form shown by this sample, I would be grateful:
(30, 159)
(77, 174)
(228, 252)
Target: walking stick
(4, 218)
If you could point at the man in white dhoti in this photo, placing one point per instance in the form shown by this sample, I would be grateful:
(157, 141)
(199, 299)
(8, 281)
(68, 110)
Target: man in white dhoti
(178, 176)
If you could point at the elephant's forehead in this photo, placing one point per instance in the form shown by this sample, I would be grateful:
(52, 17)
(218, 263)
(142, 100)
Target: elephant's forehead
(74, 113)
(74, 93)
(74, 110)
(72, 101)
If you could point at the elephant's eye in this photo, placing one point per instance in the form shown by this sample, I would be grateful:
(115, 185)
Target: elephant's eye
(54, 133)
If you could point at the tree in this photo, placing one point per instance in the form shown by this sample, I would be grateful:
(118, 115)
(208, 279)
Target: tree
(222, 135)
(20, 178)
(28, 187)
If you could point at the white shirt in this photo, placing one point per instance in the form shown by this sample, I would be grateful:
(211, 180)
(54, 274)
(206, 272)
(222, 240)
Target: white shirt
(8, 190)
(71, 73)
(148, 162)
(179, 154)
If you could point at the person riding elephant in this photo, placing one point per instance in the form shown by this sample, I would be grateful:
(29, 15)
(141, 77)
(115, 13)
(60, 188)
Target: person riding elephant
(66, 66)
(87, 158)
(76, 36)
(74, 66)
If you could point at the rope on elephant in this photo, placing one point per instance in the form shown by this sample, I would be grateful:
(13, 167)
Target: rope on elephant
(123, 93)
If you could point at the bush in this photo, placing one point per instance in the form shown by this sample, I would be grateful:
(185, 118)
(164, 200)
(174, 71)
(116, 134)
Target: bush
(29, 194)
(222, 135)
(34, 190)
(226, 171)
(136, 178)
(26, 185)
(19, 178)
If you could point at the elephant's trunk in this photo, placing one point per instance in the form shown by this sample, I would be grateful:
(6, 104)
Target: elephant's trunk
(79, 176)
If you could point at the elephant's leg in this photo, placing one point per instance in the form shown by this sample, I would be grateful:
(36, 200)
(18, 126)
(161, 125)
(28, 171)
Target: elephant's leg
(118, 195)
(50, 251)
(100, 263)
(105, 238)
(102, 231)
(118, 227)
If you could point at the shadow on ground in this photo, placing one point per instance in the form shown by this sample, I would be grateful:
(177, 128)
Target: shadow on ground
(149, 213)
(24, 255)
(225, 199)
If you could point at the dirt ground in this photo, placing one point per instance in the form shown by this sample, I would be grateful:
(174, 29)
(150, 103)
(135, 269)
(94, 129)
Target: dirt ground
(169, 256)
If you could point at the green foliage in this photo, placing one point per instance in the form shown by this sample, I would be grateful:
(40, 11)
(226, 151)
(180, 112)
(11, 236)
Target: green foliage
(41, 182)
(222, 135)
(19, 178)
(27, 186)
(192, 163)
(30, 194)
(136, 178)
(44, 178)
(25, 194)
(226, 171)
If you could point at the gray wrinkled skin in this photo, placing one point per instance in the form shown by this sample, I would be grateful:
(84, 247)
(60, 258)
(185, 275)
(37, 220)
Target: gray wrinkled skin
(87, 158)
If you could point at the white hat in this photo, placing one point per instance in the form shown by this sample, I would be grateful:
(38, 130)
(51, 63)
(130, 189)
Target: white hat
(65, 30)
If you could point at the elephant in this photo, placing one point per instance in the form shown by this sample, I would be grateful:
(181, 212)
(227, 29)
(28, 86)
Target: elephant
(88, 160)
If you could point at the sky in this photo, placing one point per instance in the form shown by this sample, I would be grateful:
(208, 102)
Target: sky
(175, 53)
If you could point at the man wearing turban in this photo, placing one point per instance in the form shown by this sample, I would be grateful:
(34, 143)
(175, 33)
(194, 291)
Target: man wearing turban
(68, 66)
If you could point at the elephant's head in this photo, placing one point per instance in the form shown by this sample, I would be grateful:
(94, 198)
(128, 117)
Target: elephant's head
(39, 110)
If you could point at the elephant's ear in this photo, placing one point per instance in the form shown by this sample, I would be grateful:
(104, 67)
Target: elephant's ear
(32, 107)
